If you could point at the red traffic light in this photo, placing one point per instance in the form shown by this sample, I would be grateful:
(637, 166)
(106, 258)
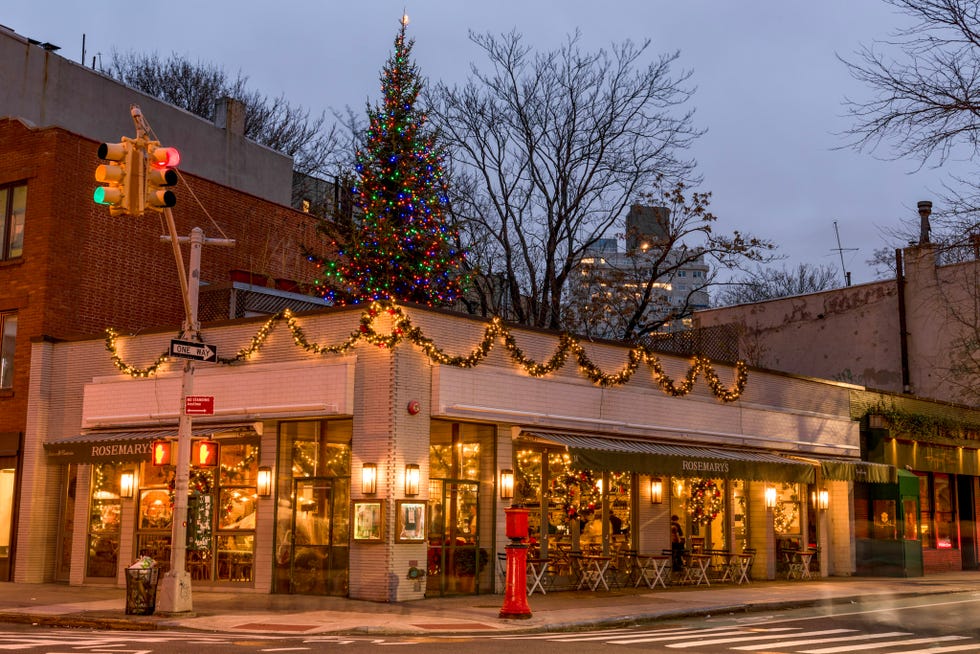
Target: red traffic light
(205, 454)
(161, 452)
(161, 158)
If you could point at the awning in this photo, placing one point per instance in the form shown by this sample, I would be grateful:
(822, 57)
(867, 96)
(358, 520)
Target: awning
(875, 473)
(648, 457)
(130, 445)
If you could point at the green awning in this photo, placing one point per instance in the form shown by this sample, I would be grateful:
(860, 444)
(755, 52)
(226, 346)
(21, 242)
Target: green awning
(131, 444)
(843, 470)
(591, 452)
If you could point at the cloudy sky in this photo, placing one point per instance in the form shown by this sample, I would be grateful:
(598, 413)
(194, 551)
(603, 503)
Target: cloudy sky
(769, 84)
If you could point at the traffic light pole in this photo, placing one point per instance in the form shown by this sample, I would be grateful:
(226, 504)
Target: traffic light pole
(175, 588)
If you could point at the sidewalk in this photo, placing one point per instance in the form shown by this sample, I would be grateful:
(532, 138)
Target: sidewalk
(244, 613)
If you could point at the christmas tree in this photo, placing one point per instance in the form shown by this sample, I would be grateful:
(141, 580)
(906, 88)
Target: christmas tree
(400, 247)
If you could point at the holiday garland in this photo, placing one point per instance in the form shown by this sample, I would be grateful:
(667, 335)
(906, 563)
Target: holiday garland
(706, 501)
(402, 329)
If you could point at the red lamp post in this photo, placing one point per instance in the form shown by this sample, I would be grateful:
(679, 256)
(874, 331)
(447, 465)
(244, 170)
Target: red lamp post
(515, 593)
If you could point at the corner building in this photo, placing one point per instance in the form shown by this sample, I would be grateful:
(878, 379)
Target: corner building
(394, 438)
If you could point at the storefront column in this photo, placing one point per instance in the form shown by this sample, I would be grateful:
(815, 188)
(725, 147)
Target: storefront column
(839, 547)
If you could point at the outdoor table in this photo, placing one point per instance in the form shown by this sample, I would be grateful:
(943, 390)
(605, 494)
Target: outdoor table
(536, 570)
(799, 564)
(697, 569)
(654, 570)
(594, 571)
(740, 568)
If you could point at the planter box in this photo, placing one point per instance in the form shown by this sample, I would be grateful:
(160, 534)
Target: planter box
(290, 285)
(249, 277)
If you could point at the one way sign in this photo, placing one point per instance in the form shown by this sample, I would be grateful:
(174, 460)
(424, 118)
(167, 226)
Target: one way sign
(193, 350)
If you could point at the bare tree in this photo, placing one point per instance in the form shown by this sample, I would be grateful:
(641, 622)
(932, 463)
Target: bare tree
(197, 87)
(547, 151)
(926, 102)
(770, 283)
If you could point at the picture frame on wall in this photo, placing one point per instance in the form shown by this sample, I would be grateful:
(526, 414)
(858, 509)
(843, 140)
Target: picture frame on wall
(410, 522)
(369, 521)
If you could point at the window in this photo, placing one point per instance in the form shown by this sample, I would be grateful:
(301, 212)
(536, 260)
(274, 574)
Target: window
(8, 329)
(13, 206)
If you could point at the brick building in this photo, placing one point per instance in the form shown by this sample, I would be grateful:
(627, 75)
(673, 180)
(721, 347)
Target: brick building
(68, 268)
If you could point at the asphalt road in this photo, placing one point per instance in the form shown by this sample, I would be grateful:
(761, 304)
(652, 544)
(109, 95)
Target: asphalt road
(933, 624)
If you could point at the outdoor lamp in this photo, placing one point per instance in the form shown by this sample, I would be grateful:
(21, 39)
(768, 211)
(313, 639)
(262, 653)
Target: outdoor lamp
(127, 482)
(412, 479)
(369, 478)
(263, 483)
(770, 497)
(823, 499)
(506, 484)
(656, 490)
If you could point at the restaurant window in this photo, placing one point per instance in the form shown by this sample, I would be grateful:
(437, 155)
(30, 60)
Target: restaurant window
(700, 504)
(937, 512)
(104, 513)
(221, 510)
(579, 509)
(8, 329)
(13, 208)
(787, 520)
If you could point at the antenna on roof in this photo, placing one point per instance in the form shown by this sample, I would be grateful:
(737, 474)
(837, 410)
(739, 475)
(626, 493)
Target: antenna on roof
(840, 250)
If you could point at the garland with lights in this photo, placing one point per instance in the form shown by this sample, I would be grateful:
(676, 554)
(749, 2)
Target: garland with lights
(403, 330)
(706, 501)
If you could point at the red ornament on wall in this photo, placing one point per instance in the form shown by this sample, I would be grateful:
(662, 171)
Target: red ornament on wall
(414, 407)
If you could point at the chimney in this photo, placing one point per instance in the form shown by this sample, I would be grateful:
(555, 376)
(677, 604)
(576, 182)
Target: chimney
(229, 114)
(925, 208)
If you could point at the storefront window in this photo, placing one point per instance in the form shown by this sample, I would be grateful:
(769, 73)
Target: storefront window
(570, 503)
(740, 515)
(702, 501)
(944, 519)
(937, 511)
(104, 521)
(220, 502)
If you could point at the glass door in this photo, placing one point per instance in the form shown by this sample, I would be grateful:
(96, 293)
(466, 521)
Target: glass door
(317, 549)
(455, 559)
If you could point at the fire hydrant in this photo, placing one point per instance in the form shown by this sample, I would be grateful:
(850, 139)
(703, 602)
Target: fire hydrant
(515, 592)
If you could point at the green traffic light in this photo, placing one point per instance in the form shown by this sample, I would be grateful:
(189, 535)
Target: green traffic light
(99, 195)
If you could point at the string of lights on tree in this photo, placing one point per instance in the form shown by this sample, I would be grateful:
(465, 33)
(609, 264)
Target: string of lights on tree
(705, 501)
(401, 248)
(402, 329)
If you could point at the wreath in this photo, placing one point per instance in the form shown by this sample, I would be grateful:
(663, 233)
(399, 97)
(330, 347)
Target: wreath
(706, 501)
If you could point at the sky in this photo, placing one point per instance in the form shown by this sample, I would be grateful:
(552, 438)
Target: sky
(770, 87)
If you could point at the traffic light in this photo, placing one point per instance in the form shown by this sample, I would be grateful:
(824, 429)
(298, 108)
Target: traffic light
(160, 453)
(122, 176)
(205, 454)
(160, 175)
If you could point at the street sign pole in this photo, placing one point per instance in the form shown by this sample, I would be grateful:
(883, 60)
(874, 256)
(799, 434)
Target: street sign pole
(175, 587)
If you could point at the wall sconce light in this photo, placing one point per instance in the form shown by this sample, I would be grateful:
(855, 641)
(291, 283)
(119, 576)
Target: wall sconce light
(412, 479)
(369, 478)
(770, 497)
(263, 483)
(656, 490)
(506, 484)
(127, 484)
(823, 499)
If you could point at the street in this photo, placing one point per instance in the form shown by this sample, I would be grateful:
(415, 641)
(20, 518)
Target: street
(933, 625)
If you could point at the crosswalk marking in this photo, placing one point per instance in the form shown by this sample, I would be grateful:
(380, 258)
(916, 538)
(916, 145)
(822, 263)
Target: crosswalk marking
(817, 641)
(744, 638)
(890, 643)
(942, 650)
(760, 638)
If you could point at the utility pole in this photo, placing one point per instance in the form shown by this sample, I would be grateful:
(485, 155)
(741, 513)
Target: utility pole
(175, 588)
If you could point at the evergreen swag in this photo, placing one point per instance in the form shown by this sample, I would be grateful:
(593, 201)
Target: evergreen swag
(705, 502)
(400, 247)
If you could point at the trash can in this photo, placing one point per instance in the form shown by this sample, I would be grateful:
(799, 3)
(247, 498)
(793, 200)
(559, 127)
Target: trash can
(141, 590)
